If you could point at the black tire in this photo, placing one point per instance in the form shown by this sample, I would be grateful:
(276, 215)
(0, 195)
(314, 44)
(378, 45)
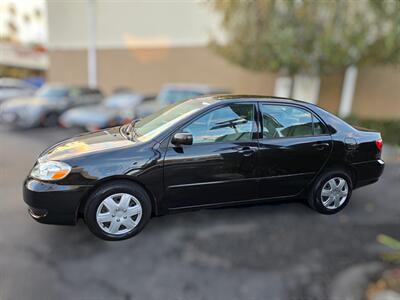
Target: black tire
(315, 199)
(50, 120)
(108, 189)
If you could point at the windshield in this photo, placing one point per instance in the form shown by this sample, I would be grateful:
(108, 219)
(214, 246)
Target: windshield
(52, 92)
(122, 101)
(169, 96)
(162, 120)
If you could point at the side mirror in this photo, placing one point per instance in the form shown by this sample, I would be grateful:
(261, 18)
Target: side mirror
(182, 138)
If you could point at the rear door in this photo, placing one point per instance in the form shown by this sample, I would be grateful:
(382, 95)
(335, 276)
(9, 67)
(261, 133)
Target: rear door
(220, 166)
(293, 147)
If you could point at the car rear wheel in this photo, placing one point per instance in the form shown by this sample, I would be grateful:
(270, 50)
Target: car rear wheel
(118, 210)
(331, 192)
(50, 120)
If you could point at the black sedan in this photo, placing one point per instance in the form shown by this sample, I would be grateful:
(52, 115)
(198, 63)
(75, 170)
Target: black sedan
(203, 152)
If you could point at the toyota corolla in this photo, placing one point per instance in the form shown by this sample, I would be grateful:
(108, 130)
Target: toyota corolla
(203, 152)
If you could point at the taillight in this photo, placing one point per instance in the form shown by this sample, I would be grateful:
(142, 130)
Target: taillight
(379, 144)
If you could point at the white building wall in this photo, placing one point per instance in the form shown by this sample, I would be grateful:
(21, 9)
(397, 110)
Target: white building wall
(127, 24)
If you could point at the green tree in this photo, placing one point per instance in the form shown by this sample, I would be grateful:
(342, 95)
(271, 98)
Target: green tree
(309, 36)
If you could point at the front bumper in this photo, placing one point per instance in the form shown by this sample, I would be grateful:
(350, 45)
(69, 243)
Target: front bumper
(8, 117)
(20, 119)
(53, 203)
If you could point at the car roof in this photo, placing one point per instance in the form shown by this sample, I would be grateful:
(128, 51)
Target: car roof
(227, 97)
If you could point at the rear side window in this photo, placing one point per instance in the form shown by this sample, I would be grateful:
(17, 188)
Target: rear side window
(280, 121)
(88, 91)
(319, 128)
(85, 91)
(75, 92)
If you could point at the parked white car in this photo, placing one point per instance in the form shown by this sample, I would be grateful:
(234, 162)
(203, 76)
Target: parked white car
(46, 105)
(13, 88)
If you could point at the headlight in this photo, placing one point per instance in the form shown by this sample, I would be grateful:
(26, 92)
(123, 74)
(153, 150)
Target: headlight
(51, 170)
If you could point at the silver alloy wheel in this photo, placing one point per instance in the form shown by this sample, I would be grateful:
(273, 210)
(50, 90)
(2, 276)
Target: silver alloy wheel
(119, 213)
(334, 192)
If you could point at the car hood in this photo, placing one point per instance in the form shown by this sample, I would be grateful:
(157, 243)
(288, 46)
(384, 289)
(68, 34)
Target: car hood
(24, 102)
(87, 144)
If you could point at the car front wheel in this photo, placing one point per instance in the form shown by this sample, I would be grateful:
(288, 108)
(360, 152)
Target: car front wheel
(331, 193)
(118, 210)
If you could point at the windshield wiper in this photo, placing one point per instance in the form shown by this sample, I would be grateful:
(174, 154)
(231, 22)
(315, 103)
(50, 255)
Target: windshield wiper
(130, 130)
(229, 123)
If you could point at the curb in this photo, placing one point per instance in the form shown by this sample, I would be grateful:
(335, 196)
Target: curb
(351, 283)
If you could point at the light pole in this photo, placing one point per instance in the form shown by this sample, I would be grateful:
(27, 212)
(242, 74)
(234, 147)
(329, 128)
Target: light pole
(91, 49)
(348, 90)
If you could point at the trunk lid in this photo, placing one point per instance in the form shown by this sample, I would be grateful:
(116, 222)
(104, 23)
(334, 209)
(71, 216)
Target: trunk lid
(369, 143)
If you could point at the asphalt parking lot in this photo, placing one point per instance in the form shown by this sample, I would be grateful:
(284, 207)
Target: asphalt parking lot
(271, 251)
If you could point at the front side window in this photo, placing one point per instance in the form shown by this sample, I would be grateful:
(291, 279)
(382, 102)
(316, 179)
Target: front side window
(319, 128)
(280, 121)
(227, 124)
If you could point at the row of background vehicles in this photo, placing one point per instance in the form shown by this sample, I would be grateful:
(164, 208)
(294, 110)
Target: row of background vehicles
(24, 106)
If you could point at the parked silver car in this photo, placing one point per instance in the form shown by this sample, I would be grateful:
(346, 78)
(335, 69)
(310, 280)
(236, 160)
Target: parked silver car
(13, 88)
(44, 108)
(115, 110)
(171, 93)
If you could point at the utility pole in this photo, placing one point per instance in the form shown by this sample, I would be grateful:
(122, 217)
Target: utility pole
(91, 49)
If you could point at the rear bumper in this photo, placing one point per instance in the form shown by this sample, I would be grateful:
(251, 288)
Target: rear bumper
(52, 203)
(368, 172)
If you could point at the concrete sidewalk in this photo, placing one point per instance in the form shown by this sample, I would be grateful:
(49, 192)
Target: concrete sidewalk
(391, 153)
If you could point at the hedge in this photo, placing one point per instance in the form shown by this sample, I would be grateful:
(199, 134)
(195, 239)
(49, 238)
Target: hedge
(389, 129)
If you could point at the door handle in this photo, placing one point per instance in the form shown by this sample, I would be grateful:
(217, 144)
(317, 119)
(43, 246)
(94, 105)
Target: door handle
(247, 151)
(320, 146)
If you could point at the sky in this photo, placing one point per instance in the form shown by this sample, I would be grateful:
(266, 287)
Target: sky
(28, 17)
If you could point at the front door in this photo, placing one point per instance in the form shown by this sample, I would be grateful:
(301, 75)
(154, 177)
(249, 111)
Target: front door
(293, 148)
(220, 165)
